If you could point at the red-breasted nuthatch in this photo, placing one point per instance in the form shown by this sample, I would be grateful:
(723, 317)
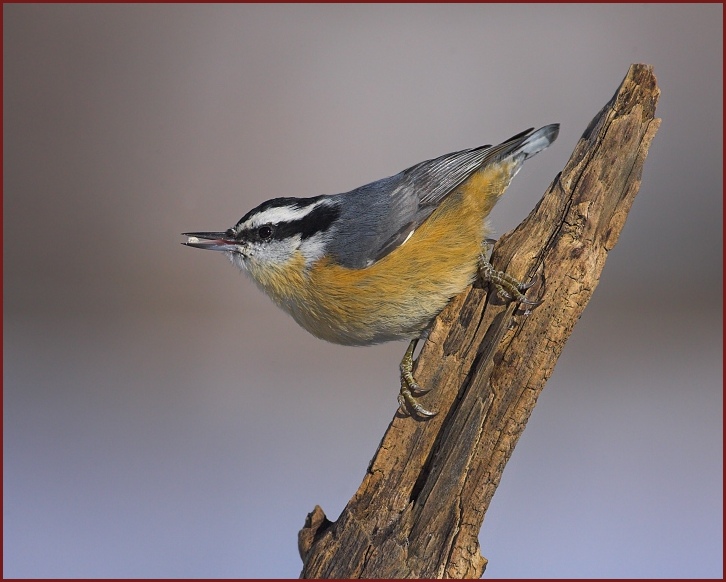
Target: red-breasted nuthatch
(380, 262)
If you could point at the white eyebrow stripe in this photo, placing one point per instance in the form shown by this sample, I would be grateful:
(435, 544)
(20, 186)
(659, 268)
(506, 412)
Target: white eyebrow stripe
(281, 214)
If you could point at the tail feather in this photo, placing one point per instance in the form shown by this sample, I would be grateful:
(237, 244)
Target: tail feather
(523, 145)
(539, 140)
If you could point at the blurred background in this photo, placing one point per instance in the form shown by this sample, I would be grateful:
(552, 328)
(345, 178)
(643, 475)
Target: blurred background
(163, 419)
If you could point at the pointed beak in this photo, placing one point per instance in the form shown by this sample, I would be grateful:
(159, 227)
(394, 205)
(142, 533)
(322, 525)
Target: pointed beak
(212, 241)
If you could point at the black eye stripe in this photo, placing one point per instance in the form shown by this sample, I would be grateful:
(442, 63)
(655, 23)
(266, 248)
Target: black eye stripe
(317, 220)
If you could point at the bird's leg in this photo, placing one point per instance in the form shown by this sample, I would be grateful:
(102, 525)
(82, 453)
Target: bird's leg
(508, 288)
(409, 385)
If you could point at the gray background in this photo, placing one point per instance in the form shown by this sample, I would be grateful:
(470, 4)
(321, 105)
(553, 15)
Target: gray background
(163, 418)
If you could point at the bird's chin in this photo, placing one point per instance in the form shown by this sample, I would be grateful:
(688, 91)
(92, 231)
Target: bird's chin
(237, 259)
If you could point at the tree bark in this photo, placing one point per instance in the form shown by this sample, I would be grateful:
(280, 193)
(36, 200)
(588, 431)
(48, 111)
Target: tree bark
(419, 509)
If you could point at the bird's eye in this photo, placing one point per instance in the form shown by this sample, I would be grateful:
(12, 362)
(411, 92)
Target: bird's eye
(264, 232)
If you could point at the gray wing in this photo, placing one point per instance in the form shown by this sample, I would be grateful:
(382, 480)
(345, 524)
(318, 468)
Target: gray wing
(378, 217)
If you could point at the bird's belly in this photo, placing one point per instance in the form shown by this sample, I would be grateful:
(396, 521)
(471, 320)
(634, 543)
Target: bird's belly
(369, 306)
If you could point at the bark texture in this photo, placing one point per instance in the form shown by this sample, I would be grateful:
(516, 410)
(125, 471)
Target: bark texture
(419, 509)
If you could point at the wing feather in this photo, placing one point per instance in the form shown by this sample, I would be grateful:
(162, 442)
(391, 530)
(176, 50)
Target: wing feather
(378, 217)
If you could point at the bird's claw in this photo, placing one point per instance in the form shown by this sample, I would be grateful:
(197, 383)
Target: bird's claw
(406, 399)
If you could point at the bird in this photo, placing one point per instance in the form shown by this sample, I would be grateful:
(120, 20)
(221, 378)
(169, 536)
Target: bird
(380, 262)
